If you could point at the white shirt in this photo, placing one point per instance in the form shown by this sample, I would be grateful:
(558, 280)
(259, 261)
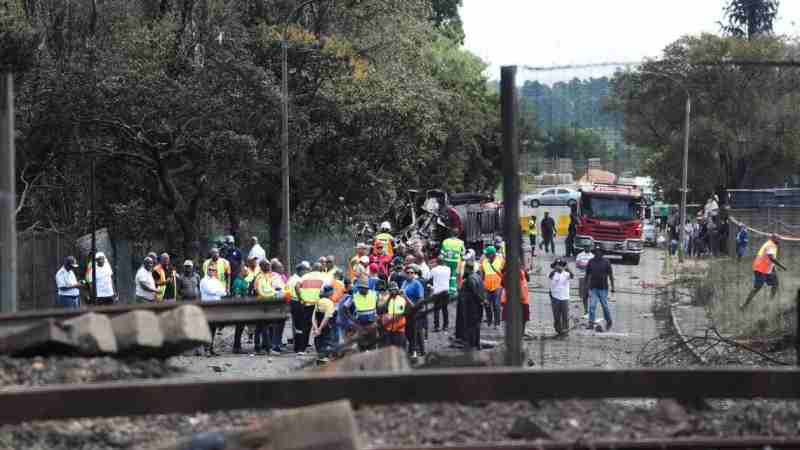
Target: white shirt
(105, 282)
(257, 252)
(441, 278)
(143, 276)
(582, 260)
(66, 278)
(426, 271)
(559, 285)
(211, 289)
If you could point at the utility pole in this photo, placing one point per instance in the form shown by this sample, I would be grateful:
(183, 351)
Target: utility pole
(685, 178)
(8, 225)
(512, 231)
(286, 228)
(94, 236)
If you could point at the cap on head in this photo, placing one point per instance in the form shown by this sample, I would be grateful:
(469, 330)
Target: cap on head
(254, 239)
(214, 250)
(99, 255)
(364, 260)
(188, 263)
(148, 260)
(498, 240)
(70, 261)
(229, 239)
(362, 246)
(386, 226)
(317, 267)
(490, 250)
(393, 286)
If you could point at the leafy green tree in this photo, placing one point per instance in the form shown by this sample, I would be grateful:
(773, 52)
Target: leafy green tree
(743, 125)
(749, 18)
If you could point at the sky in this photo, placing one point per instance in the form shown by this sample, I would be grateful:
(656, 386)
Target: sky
(565, 32)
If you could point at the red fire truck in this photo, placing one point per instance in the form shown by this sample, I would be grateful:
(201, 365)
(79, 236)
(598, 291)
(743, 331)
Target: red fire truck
(610, 217)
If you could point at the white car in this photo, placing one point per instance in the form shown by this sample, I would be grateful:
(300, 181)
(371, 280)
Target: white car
(556, 196)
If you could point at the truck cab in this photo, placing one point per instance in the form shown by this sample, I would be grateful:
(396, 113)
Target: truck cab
(610, 218)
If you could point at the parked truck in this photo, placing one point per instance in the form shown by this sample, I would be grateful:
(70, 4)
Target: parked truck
(610, 217)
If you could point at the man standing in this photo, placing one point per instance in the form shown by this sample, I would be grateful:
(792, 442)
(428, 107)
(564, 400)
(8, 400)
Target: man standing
(386, 239)
(365, 303)
(333, 269)
(164, 275)
(581, 262)
(256, 251)
(559, 296)
(741, 242)
(296, 307)
(105, 280)
(211, 290)
(440, 278)
(492, 267)
(473, 298)
(764, 269)
(394, 320)
(452, 255)
(223, 272)
(572, 231)
(598, 274)
(145, 284)
(188, 283)
(355, 261)
(308, 290)
(67, 284)
(233, 255)
(414, 293)
(548, 226)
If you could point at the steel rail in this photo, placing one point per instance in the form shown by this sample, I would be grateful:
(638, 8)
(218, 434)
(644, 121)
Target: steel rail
(694, 443)
(22, 404)
(224, 312)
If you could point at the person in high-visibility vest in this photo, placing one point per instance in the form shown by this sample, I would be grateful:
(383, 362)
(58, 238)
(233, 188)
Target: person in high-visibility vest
(386, 239)
(491, 267)
(353, 270)
(164, 274)
(764, 269)
(308, 290)
(524, 298)
(532, 233)
(365, 304)
(452, 255)
(394, 319)
(223, 268)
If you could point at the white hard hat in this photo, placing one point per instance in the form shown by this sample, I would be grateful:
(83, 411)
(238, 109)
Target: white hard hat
(364, 260)
(99, 255)
(188, 263)
(386, 226)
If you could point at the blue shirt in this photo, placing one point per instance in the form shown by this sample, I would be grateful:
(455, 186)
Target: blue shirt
(414, 291)
(343, 311)
(373, 283)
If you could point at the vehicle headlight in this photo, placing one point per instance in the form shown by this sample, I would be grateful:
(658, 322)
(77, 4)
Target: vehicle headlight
(635, 245)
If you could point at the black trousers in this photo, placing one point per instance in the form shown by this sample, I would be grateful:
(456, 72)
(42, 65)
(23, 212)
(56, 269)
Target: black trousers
(414, 326)
(392, 338)
(560, 315)
(549, 245)
(303, 328)
(440, 302)
(460, 319)
(472, 333)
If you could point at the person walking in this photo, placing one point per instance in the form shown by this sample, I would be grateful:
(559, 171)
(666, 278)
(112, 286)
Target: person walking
(581, 262)
(560, 277)
(598, 274)
(105, 280)
(764, 269)
(67, 284)
(741, 242)
(473, 297)
(188, 283)
(548, 226)
(440, 294)
(211, 290)
(491, 268)
(145, 283)
(532, 233)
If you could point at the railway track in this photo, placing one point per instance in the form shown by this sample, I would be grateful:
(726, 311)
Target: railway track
(697, 443)
(377, 388)
(218, 313)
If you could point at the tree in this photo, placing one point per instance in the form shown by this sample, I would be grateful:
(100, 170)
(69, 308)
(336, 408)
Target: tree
(749, 18)
(743, 126)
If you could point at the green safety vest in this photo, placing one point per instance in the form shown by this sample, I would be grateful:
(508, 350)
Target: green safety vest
(365, 304)
(452, 249)
(311, 287)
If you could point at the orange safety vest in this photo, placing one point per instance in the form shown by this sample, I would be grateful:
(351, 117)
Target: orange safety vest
(338, 291)
(762, 263)
(523, 290)
(397, 308)
(492, 273)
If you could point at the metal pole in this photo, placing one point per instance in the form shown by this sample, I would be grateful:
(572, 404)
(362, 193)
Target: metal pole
(285, 224)
(8, 226)
(684, 181)
(512, 232)
(94, 238)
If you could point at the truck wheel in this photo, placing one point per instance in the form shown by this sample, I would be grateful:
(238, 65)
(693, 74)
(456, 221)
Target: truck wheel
(534, 203)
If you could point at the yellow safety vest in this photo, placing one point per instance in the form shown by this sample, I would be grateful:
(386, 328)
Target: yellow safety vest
(223, 269)
(263, 287)
(365, 304)
(396, 308)
(310, 287)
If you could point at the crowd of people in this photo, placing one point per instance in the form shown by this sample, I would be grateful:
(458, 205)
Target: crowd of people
(384, 295)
